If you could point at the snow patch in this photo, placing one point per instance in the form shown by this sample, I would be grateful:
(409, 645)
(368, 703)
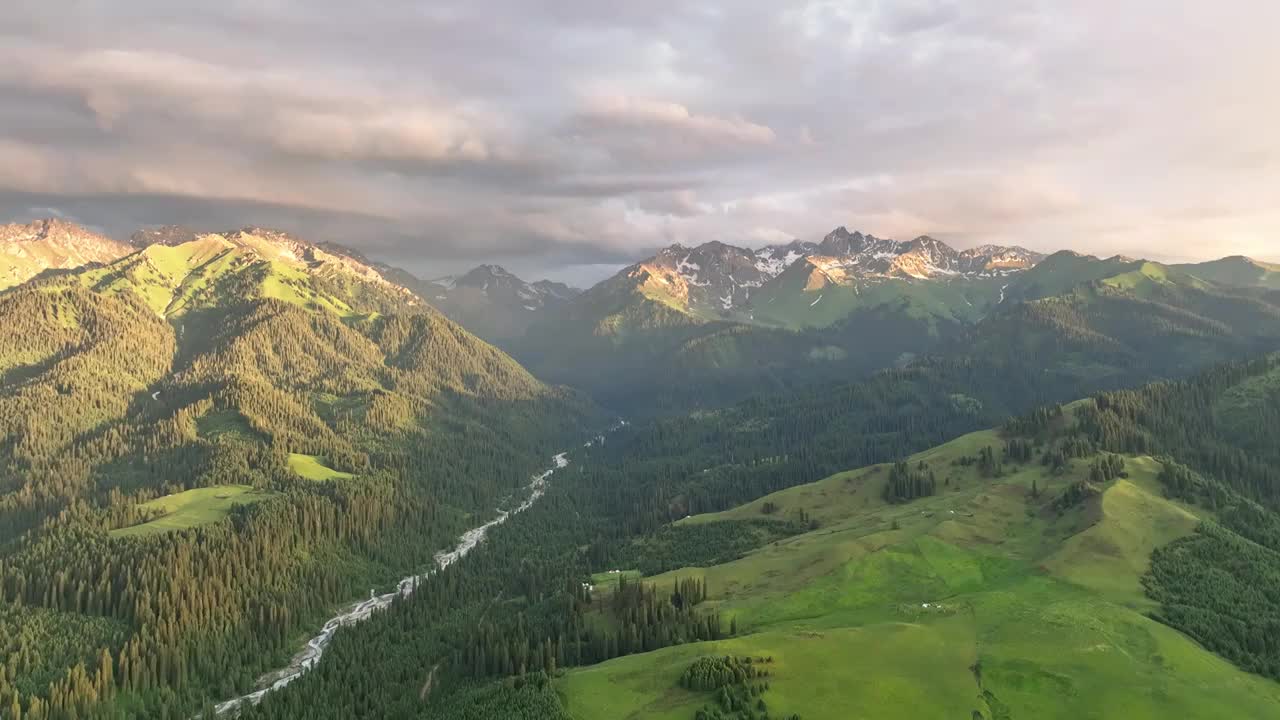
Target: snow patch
(689, 271)
(772, 266)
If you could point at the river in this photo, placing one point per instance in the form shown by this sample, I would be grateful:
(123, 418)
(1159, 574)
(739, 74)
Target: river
(361, 611)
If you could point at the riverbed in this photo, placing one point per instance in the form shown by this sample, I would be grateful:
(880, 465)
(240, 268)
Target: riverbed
(363, 610)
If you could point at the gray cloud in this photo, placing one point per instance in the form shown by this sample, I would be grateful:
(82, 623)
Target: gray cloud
(557, 132)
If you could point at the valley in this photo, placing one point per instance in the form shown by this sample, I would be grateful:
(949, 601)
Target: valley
(310, 655)
(222, 441)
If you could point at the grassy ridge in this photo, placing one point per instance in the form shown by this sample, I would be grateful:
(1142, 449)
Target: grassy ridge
(985, 597)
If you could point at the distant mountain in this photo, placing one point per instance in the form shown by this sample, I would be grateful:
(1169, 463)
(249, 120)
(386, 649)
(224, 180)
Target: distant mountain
(867, 256)
(715, 323)
(493, 303)
(26, 250)
(776, 285)
(849, 272)
(1236, 271)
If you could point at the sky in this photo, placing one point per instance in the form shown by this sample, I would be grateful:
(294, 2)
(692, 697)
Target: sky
(567, 137)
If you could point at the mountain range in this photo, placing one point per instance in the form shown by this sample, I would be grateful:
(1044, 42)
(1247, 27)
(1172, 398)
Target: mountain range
(716, 281)
(717, 321)
(697, 326)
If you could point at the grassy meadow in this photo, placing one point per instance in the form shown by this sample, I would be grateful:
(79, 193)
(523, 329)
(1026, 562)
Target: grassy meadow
(984, 598)
(193, 507)
(312, 467)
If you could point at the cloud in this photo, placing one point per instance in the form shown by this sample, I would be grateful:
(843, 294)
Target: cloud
(619, 112)
(589, 133)
(682, 203)
(132, 92)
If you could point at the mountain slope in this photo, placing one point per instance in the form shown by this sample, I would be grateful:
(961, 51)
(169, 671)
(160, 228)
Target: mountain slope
(248, 264)
(986, 598)
(815, 293)
(241, 405)
(1022, 573)
(1236, 271)
(28, 250)
(1089, 317)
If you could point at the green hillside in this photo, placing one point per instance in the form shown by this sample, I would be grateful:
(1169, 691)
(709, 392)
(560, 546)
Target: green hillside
(1236, 271)
(1010, 593)
(791, 303)
(205, 272)
(166, 425)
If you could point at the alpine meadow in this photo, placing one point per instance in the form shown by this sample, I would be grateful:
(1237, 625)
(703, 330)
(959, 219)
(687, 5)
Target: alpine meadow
(680, 361)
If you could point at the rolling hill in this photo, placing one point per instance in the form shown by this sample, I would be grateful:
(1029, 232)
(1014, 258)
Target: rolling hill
(1030, 572)
(985, 598)
(1237, 271)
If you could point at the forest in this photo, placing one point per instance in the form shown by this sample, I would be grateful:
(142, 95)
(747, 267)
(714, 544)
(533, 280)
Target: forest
(107, 407)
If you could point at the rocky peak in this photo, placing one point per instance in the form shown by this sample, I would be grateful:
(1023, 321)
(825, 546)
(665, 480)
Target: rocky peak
(496, 285)
(920, 258)
(997, 259)
(557, 290)
(55, 231)
(28, 249)
(840, 242)
(713, 277)
(485, 276)
(717, 279)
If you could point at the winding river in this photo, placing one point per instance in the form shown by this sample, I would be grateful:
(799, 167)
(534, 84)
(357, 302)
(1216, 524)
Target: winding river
(361, 611)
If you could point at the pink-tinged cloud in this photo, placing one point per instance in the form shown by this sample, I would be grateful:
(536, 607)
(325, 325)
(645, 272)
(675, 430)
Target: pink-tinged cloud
(631, 113)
